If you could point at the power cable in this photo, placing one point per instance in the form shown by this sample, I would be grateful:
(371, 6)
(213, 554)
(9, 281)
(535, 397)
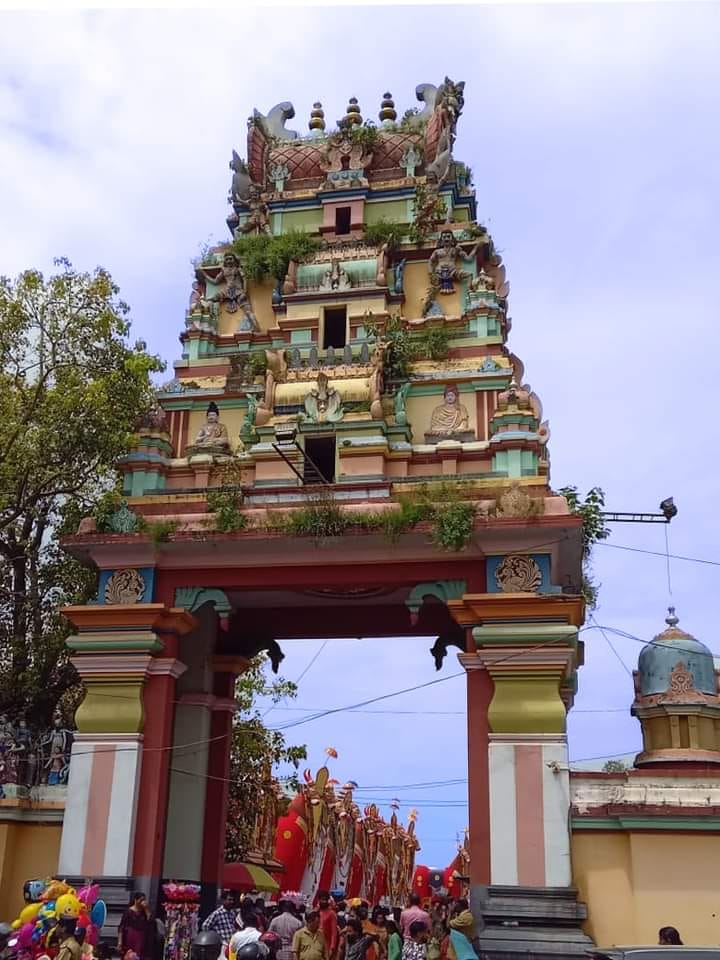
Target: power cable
(625, 667)
(312, 661)
(657, 553)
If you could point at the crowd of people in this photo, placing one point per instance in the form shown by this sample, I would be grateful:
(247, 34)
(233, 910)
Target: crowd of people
(337, 930)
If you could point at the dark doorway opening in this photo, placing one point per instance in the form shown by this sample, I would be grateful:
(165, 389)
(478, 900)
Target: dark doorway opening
(335, 328)
(342, 220)
(321, 450)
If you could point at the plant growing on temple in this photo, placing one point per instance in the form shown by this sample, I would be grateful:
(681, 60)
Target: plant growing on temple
(71, 391)
(429, 209)
(385, 231)
(263, 255)
(399, 347)
(433, 343)
(366, 136)
(594, 528)
(254, 751)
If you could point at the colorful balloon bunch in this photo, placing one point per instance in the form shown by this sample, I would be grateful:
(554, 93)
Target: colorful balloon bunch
(47, 903)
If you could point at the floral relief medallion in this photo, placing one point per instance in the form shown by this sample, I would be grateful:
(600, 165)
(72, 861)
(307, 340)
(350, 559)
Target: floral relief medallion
(124, 586)
(518, 574)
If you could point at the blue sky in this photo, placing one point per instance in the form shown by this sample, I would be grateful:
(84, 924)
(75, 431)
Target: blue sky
(592, 132)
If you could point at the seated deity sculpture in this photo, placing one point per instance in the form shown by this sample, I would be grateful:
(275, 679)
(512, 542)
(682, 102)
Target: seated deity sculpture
(450, 418)
(213, 433)
(323, 403)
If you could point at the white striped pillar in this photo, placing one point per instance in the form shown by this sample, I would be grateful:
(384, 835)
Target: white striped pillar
(99, 824)
(532, 667)
(114, 649)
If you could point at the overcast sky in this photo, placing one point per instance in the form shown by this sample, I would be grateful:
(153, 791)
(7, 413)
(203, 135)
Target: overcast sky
(592, 132)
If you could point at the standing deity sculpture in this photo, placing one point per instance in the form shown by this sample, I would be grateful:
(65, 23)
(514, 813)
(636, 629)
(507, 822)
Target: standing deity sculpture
(399, 402)
(258, 220)
(213, 434)
(55, 748)
(443, 264)
(231, 291)
(450, 420)
(276, 372)
(411, 160)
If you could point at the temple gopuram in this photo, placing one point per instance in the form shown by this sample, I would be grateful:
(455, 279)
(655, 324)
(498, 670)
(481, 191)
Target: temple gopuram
(347, 439)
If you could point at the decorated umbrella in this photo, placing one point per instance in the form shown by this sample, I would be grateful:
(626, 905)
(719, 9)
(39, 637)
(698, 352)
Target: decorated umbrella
(248, 876)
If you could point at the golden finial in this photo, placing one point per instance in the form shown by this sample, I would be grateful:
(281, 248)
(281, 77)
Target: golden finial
(317, 118)
(352, 114)
(387, 109)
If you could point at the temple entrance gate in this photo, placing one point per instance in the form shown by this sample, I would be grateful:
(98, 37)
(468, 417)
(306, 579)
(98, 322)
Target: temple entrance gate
(366, 355)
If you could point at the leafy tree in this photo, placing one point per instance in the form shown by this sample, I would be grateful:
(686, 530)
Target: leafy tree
(255, 750)
(71, 391)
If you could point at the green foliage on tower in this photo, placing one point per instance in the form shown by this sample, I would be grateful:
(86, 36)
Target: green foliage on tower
(71, 393)
(263, 255)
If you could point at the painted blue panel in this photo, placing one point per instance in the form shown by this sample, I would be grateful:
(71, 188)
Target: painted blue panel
(541, 559)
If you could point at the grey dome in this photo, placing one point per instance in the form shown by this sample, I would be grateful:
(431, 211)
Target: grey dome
(669, 648)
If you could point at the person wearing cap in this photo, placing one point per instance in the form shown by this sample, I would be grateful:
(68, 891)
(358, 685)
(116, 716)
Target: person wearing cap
(222, 920)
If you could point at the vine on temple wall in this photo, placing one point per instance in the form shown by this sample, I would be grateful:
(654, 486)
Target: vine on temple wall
(594, 528)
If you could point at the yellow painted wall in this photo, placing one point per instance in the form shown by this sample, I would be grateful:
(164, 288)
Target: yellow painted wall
(394, 211)
(261, 300)
(416, 281)
(355, 308)
(419, 411)
(636, 882)
(27, 851)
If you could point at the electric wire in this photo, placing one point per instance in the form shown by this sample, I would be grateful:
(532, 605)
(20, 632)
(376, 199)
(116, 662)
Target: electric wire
(304, 672)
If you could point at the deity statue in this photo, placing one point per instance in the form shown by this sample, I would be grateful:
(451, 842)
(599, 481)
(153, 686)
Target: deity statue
(399, 401)
(410, 160)
(231, 290)
(335, 278)
(258, 218)
(55, 748)
(277, 367)
(483, 282)
(213, 433)
(443, 267)
(377, 381)
(451, 418)
(22, 749)
(399, 276)
(247, 429)
(323, 404)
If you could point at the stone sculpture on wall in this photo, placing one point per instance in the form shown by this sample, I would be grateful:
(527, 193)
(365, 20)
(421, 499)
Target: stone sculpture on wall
(449, 420)
(443, 264)
(276, 372)
(335, 278)
(212, 437)
(323, 404)
(30, 758)
(258, 220)
(274, 122)
(231, 292)
(240, 186)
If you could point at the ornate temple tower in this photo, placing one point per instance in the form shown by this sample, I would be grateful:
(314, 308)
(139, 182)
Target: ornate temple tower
(348, 438)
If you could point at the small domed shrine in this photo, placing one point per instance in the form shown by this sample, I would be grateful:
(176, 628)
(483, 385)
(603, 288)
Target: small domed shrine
(676, 699)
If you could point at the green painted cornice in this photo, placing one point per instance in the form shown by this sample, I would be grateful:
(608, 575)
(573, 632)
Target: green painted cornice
(681, 824)
(525, 634)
